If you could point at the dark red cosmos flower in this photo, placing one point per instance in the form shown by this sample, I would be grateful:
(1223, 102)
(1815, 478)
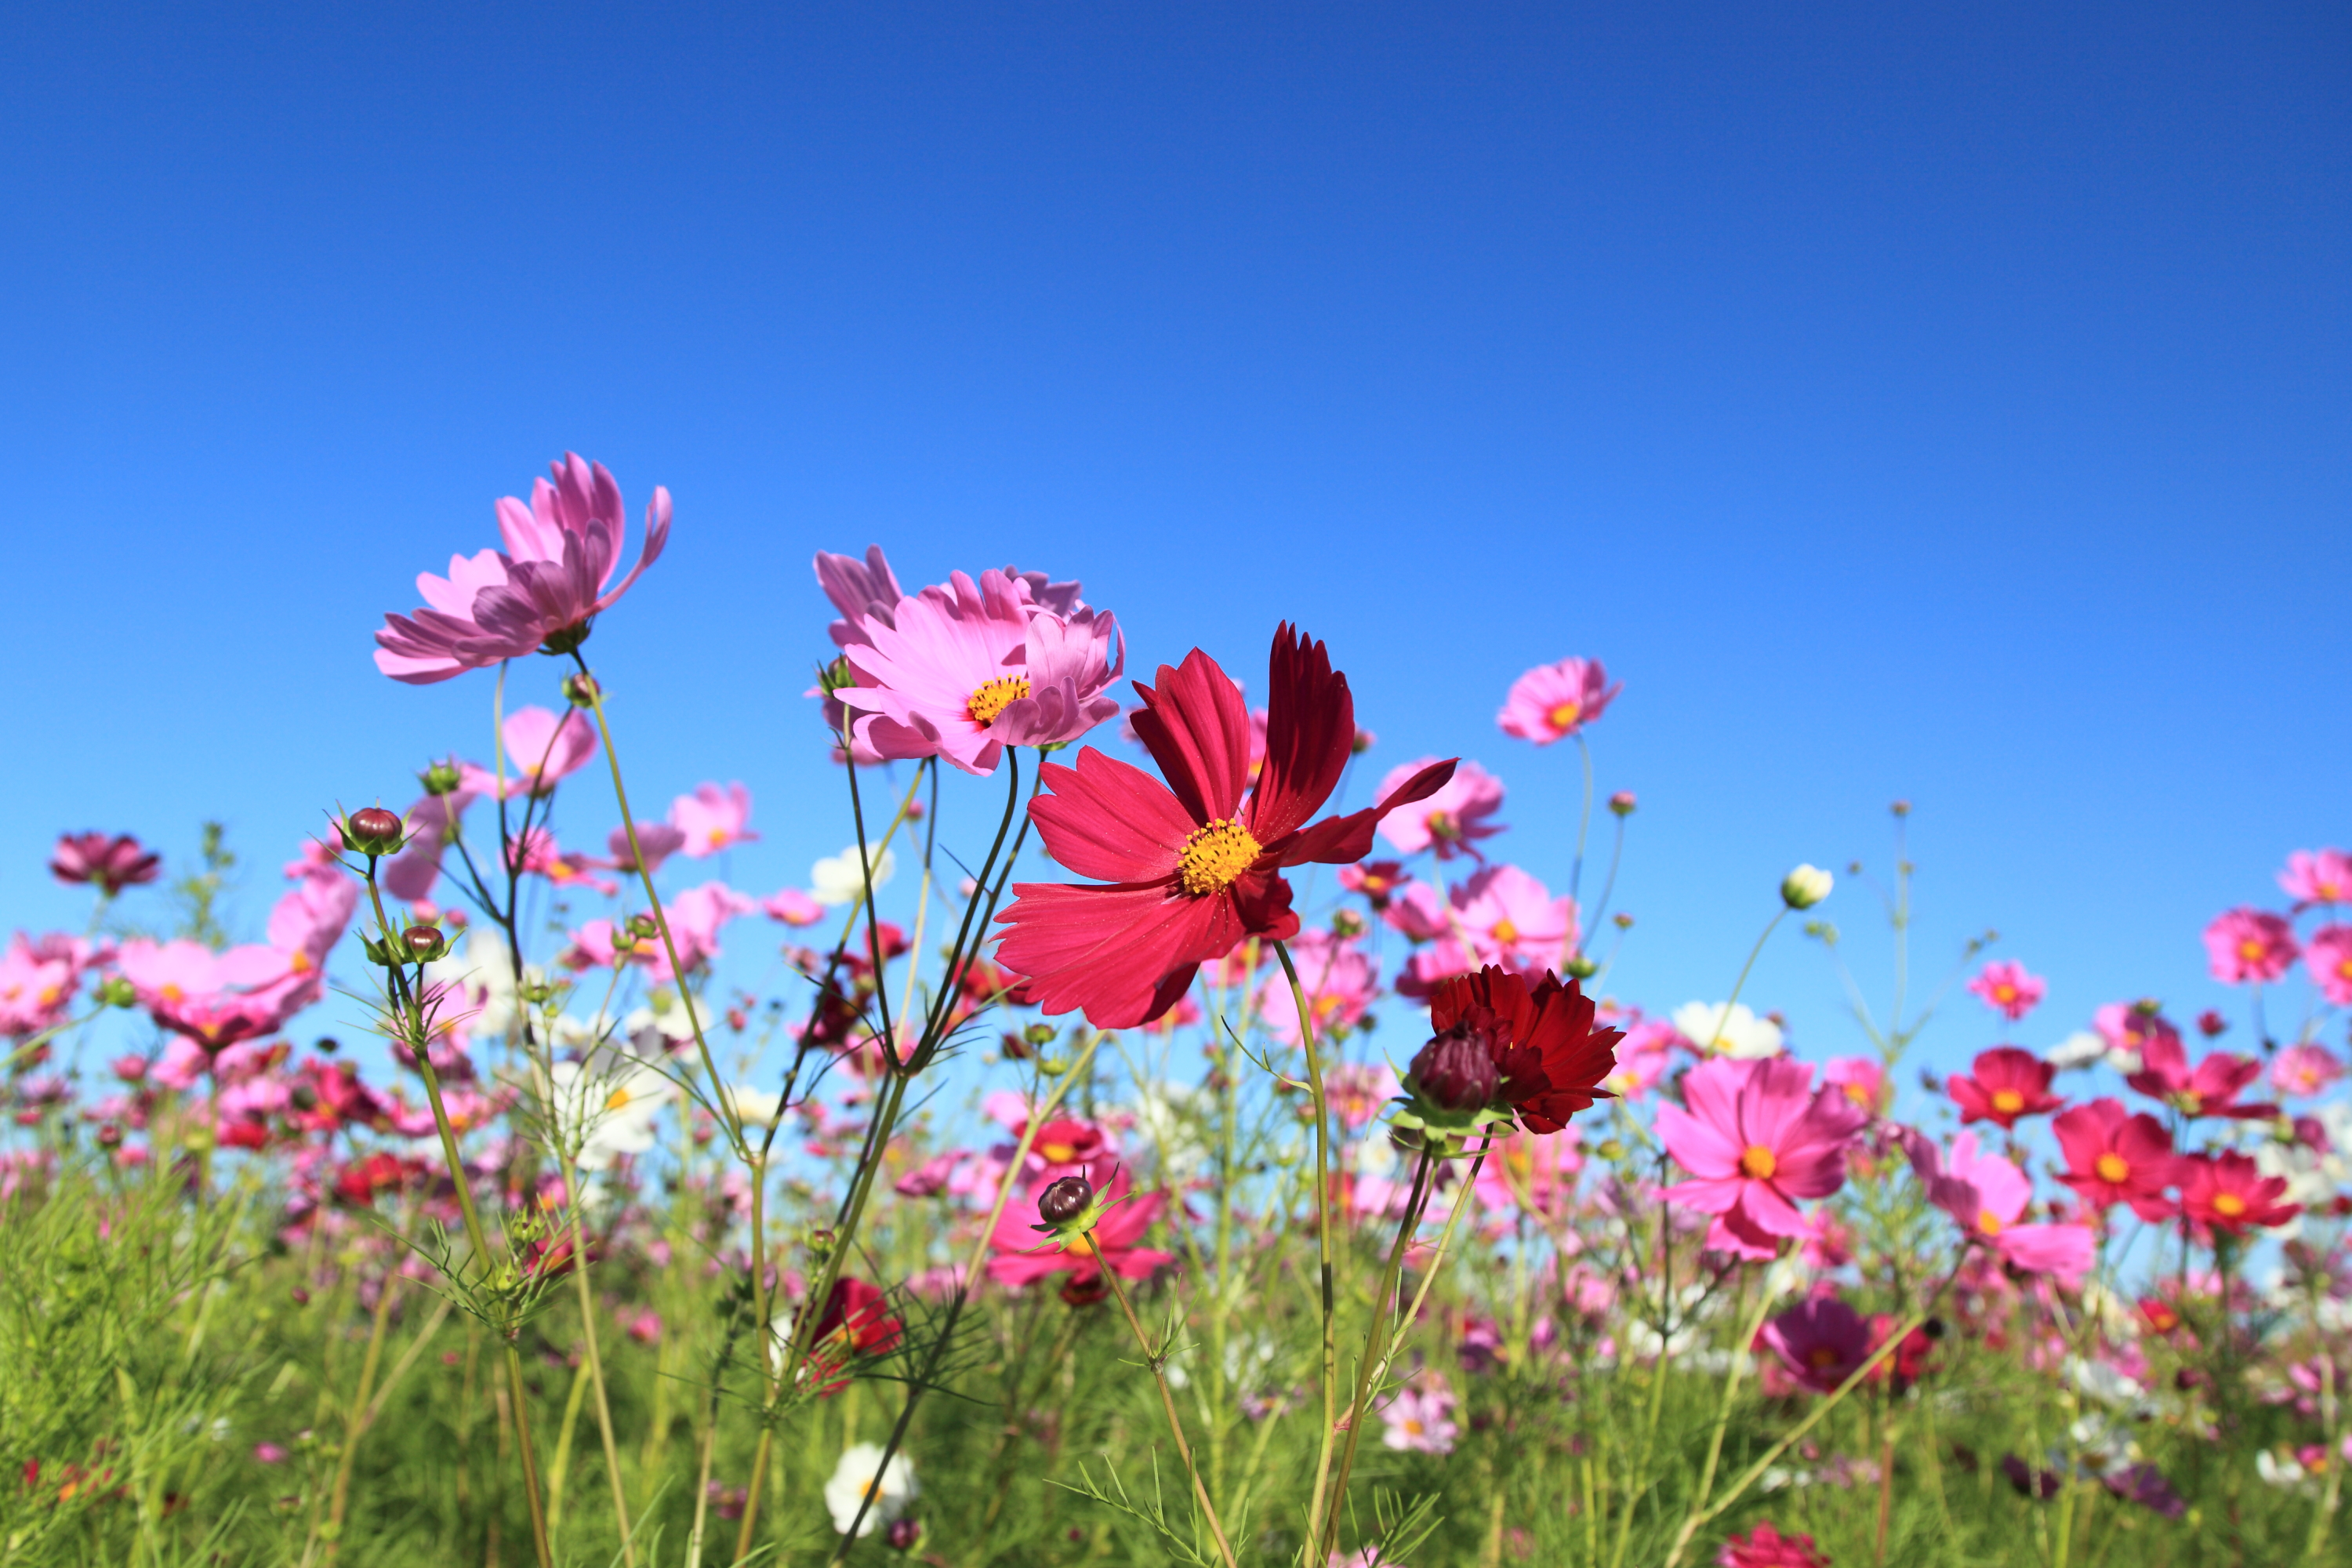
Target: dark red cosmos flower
(1550, 1054)
(2009, 1083)
(2229, 1192)
(856, 1322)
(113, 863)
(1188, 869)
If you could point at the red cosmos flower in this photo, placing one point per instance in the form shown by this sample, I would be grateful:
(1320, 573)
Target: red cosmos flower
(1188, 869)
(358, 1183)
(2009, 1083)
(2210, 1091)
(113, 863)
(2229, 1192)
(856, 1322)
(1547, 1048)
(2113, 1157)
(1765, 1547)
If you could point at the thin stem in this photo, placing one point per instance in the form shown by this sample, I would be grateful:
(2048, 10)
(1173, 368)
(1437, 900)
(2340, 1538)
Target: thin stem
(1167, 1404)
(1414, 1200)
(1306, 1040)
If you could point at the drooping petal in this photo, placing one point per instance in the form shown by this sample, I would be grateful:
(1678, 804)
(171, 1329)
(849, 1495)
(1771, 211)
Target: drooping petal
(1197, 730)
(1109, 820)
(1340, 840)
(1310, 726)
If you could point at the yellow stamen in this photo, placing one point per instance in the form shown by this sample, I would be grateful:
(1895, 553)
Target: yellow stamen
(2229, 1206)
(2008, 1101)
(1215, 855)
(2112, 1168)
(2249, 950)
(1564, 715)
(1506, 932)
(616, 1099)
(1758, 1163)
(171, 992)
(1989, 1222)
(990, 697)
(1059, 1153)
(300, 963)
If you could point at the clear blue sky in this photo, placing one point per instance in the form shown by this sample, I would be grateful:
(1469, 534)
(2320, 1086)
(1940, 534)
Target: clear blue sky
(1939, 402)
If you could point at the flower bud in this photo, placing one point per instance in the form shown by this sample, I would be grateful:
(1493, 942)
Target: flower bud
(1064, 1199)
(644, 927)
(1805, 886)
(425, 943)
(116, 992)
(1622, 803)
(904, 1534)
(372, 831)
(1622, 920)
(1347, 923)
(1581, 967)
(441, 778)
(836, 674)
(1362, 740)
(1901, 809)
(581, 691)
(1455, 1071)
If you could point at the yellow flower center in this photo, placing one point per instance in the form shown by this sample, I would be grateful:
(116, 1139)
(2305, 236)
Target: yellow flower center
(1441, 825)
(2251, 949)
(718, 835)
(171, 992)
(1215, 855)
(1823, 1357)
(2345, 969)
(616, 1099)
(1059, 1153)
(1758, 1163)
(2008, 1101)
(1413, 1428)
(1083, 1247)
(1859, 1093)
(2112, 1167)
(1564, 715)
(300, 963)
(2004, 991)
(2229, 1206)
(1989, 1222)
(990, 697)
(1506, 932)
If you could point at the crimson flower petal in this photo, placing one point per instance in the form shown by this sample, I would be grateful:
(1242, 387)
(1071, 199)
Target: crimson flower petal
(1198, 732)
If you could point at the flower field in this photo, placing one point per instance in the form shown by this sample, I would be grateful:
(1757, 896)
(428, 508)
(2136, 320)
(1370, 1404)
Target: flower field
(1159, 1135)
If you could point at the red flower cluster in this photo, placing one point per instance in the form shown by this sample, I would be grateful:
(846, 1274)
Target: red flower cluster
(2008, 1084)
(1549, 1053)
(1188, 869)
(856, 1323)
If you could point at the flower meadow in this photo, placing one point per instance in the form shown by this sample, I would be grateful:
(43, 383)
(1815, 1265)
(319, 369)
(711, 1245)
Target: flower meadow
(1161, 1134)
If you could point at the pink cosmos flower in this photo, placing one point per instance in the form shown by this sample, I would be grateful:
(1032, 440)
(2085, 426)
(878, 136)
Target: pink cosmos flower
(1452, 819)
(2321, 877)
(793, 907)
(695, 917)
(1987, 1195)
(657, 841)
(2003, 1084)
(861, 590)
(1339, 980)
(541, 591)
(2302, 1070)
(541, 751)
(2329, 958)
(2229, 1192)
(1863, 1080)
(1755, 1138)
(1553, 701)
(1765, 1547)
(1420, 1419)
(594, 945)
(964, 670)
(1511, 920)
(2008, 989)
(2113, 1157)
(39, 981)
(1644, 1054)
(2249, 946)
(2128, 1026)
(113, 863)
(536, 853)
(1358, 1091)
(2210, 1091)
(1821, 1339)
(712, 819)
(1023, 1255)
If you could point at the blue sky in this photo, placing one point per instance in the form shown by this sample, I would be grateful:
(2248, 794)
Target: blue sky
(1942, 403)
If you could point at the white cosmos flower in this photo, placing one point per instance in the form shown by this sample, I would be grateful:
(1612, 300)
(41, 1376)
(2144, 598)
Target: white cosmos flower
(839, 878)
(757, 1107)
(484, 964)
(609, 1113)
(2079, 1049)
(1728, 1029)
(854, 1479)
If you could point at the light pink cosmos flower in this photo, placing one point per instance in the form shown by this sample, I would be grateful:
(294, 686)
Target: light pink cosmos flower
(2248, 946)
(2008, 989)
(540, 592)
(964, 670)
(1510, 918)
(1987, 1195)
(861, 590)
(1756, 1137)
(657, 841)
(1339, 980)
(538, 854)
(1553, 701)
(1420, 1419)
(1358, 1091)
(2321, 877)
(695, 917)
(1643, 1056)
(1861, 1079)
(712, 818)
(595, 946)
(541, 751)
(1537, 1175)
(2302, 1070)
(2327, 958)
(2128, 1027)
(793, 907)
(1452, 819)
(38, 981)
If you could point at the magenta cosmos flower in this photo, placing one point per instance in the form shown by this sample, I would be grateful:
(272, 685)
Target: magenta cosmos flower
(2008, 989)
(2211, 1090)
(113, 863)
(2115, 1157)
(1821, 1339)
(1553, 701)
(2249, 946)
(1189, 870)
(963, 671)
(541, 591)
(1756, 1137)
(2321, 877)
(2003, 1084)
(1451, 820)
(1116, 1242)
(1988, 1195)
(2327, 958)
(712, 819)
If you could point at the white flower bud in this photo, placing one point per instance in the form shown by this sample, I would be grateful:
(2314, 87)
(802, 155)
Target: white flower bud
(1805, 886)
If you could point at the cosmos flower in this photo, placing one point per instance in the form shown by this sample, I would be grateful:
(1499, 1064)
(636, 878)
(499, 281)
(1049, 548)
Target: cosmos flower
(1765, 1547)
(2302, 1070)
(2327, 958)
(2003, 1085)
(2210, 1091)
(1115, 1240)
(2322, 877)
(1757, 1138)
(541, 751)
(1548, 1055)
(2228, 1192)
(541, 591)
(1420, 1419)
(711, 819)
(2247, 946)
(111, 864)
(1988, 1197)
(1339, 980)
(2008, 989)
(1189, 870)
(1821, 1339)
(861, 1480)
(1450, 819)
(1553, 701)
(1728, 1029)
(2115, 1157)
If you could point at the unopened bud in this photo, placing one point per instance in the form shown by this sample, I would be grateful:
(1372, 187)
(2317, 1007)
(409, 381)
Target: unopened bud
(1622, 920)
(1581, 967)
(441, 778)
(109, 1136)
(1456, 1071)
(581, 691)
(1347, 923)
(1361, 742)
(425, 943)
(116, 992)
(836, 674)
(644, 926)
(904, 1534)
(1622, 803)
(1039, 1034)
(1064, 1199)
(372, 831)
(1805, 886)
(1901, 809)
